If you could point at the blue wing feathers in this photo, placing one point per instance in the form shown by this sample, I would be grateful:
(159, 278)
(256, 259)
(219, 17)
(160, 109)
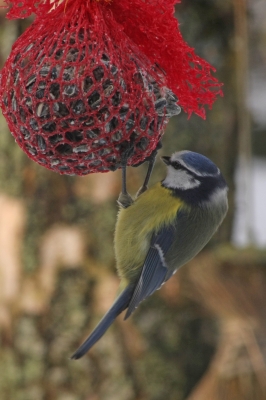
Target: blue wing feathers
(119, 305)
(154, 272)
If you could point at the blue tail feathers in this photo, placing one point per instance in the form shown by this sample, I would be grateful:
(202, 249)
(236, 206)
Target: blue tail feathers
(119, 305)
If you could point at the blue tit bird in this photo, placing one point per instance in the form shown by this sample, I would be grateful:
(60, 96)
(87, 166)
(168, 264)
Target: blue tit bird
(164, 228)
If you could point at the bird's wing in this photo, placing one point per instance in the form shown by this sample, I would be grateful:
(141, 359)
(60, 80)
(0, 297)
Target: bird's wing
(155, 271)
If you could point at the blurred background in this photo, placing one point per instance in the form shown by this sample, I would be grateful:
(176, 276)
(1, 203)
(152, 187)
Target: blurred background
(203, 335)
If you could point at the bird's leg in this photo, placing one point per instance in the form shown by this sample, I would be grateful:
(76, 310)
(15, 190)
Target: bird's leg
(151, 159)
(124, 199)
(144, 187)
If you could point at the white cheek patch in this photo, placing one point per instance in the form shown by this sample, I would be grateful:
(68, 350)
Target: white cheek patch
(180, 179)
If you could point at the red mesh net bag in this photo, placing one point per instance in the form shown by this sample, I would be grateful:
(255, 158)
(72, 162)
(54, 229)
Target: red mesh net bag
(86, 85)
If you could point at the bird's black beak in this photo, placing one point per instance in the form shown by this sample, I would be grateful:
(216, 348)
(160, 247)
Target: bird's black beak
(166, 160)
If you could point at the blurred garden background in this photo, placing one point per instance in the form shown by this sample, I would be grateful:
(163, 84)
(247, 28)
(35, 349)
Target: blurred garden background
(203, 335)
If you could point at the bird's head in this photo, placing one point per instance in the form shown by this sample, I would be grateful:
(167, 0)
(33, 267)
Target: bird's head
(193, 177)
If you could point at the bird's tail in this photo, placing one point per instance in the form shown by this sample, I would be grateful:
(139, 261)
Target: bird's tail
(119, 305)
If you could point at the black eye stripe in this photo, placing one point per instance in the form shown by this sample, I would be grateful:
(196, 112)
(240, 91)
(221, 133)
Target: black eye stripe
(176, 165)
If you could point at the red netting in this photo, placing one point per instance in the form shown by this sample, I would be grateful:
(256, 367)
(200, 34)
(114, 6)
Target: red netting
(87, 82)
(77, 93)
(151, 25)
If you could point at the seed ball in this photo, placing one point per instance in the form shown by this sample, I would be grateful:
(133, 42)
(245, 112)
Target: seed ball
(77, 105)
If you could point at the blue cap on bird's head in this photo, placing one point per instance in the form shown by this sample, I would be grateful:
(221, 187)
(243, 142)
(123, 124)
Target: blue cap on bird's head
(200, 163)
(194, 162)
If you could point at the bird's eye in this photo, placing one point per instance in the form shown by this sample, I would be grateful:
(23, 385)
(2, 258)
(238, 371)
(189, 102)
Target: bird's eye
(176, 165)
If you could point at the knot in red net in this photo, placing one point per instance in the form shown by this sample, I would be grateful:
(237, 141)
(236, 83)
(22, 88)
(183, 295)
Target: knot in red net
(78, 95)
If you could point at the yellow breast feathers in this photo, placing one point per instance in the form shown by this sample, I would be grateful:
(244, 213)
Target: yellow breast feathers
(151, 211)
